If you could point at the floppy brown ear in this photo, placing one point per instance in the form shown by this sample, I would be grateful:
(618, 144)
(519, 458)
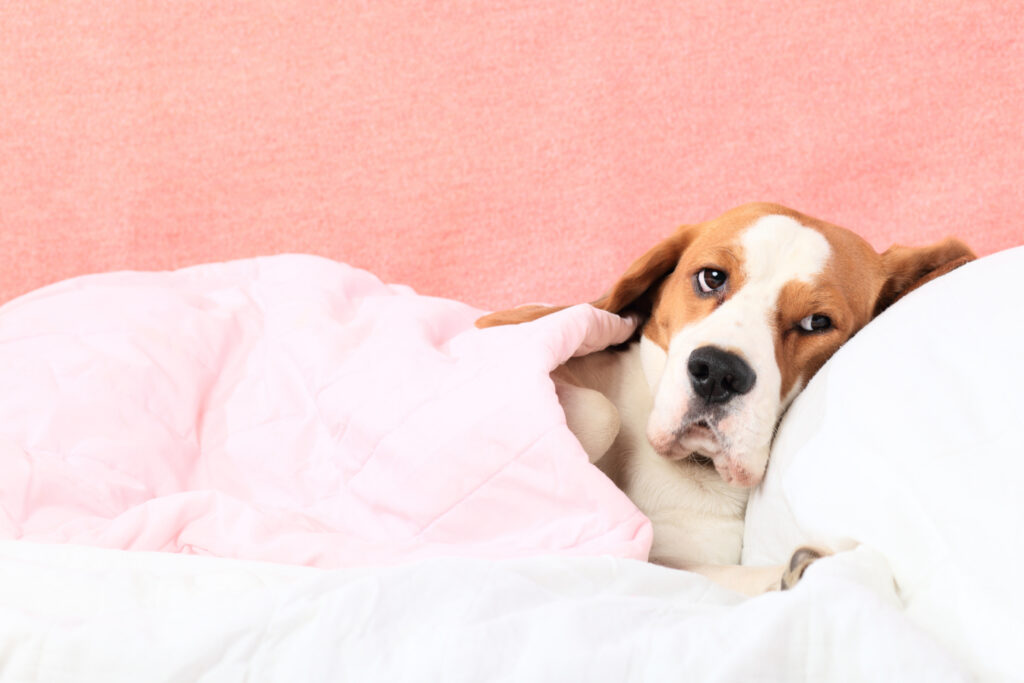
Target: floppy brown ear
(523, 314)
(627, 293)
(907, 268)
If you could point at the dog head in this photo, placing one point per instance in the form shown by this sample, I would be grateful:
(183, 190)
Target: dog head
(739, 313)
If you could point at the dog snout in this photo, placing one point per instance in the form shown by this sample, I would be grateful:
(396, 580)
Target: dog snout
(718, 375)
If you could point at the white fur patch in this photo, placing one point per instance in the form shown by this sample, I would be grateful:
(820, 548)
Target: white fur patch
(776, 250)
(653, 359)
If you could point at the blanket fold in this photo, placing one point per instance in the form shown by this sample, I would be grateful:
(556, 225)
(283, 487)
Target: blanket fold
(295, 409)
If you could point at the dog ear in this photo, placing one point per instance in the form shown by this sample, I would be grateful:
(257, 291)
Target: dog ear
(512, 316)
(907, 268)
(629, 293)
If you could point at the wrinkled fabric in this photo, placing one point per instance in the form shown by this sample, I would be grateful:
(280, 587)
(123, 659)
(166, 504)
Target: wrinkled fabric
(297, 410)
(85, 614)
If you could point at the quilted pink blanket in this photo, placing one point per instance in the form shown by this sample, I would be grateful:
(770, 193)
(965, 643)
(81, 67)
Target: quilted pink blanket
(298, 410)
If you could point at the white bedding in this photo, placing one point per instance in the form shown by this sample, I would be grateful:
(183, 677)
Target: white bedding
(72, 613)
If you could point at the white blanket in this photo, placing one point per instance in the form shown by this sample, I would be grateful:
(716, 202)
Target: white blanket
(71, 613)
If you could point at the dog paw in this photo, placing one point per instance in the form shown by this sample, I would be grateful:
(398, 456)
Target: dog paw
(802, 558)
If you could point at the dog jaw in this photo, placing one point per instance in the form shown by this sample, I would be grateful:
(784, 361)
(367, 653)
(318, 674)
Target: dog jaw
(709, 439)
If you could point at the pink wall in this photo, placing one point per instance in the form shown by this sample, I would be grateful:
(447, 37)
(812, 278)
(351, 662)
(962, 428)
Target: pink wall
(492, 152)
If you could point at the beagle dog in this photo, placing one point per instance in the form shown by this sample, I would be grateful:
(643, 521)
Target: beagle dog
(737, 314)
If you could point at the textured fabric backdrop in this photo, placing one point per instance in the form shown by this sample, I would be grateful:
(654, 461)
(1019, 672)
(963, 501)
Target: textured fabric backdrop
(492, 152)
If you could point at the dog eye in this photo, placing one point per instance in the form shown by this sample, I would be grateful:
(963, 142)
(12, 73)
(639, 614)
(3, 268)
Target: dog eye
(711, 280)
(816, 323)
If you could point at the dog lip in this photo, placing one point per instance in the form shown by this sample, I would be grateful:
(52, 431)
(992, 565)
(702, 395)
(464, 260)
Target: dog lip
(696, 436)
(702, 460)
(737, 476)
(700, 428)
(700, 441)
(699, 438)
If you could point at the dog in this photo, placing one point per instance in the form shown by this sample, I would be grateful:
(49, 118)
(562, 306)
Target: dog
(736, 315)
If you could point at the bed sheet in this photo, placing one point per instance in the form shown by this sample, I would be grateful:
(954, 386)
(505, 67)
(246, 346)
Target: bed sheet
(71, 613)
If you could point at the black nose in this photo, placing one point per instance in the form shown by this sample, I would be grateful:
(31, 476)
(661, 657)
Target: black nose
(718, 375)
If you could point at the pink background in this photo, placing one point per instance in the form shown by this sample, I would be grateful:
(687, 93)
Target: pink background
(492, 152)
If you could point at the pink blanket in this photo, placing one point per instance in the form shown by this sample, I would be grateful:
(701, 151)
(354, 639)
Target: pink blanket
(298, 410)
